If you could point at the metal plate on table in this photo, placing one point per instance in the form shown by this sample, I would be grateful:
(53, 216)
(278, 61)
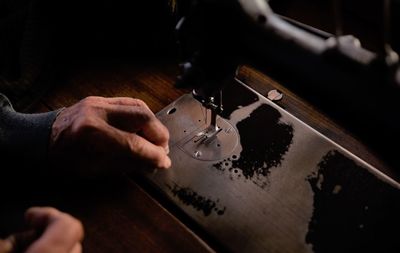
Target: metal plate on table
(270, 183)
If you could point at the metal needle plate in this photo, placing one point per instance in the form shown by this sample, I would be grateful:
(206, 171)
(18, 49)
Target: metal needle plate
(274, 184)
(214, 147)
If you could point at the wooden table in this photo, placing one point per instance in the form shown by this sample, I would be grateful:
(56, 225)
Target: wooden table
(123, 215)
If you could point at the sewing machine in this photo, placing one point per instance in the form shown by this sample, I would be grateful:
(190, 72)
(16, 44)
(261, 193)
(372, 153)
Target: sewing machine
(253, 176)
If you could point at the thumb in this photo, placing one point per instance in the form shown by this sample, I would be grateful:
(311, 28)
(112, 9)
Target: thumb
(40, 217)
(6, 245)
(18, 242)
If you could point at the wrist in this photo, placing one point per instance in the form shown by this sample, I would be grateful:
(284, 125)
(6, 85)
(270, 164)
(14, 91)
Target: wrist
(56, 128)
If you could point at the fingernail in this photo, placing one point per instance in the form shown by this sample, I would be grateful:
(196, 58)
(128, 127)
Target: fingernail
(166, 149)
(167, 163)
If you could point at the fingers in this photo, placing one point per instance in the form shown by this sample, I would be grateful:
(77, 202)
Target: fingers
(139, 147)
(134, 115)
(61, 231)
(150, 152)
(126, 101)
(110, 126)
(139, 118)
(6, 246)
(77, 248)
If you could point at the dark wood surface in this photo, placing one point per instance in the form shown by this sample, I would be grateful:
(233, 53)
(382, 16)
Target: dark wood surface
(129, 219)
(118, 216)
(123, 216)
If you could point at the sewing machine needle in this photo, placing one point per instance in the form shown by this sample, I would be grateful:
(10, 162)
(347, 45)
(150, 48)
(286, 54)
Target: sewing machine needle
(212, 130)
(213, 122)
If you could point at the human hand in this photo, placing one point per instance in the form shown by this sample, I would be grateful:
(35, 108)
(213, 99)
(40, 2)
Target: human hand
(60, 233)
(105, 130)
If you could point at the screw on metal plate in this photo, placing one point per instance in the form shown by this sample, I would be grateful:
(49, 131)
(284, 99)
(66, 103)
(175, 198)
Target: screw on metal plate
(171, 111)
(275, 95)
(197, 153)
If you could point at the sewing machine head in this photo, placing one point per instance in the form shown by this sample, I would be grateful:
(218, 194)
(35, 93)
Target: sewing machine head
(333, 72)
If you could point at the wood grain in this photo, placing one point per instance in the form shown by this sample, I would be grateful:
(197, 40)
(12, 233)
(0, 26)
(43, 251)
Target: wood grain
(123, 217)
(120, 217)
(152, 84)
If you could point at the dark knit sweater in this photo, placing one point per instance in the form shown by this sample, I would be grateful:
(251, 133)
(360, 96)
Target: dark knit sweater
(24, 135)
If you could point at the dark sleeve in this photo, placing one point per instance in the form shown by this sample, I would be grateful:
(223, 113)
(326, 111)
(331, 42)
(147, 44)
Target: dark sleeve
(24, 135)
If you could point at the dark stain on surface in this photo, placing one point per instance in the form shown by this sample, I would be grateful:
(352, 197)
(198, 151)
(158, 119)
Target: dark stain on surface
(235, 97)
(354, 211)
(264, 142)
(198, 202)
(220, 165)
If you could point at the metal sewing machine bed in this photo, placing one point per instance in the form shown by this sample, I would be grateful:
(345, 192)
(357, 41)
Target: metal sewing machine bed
(252, 175)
